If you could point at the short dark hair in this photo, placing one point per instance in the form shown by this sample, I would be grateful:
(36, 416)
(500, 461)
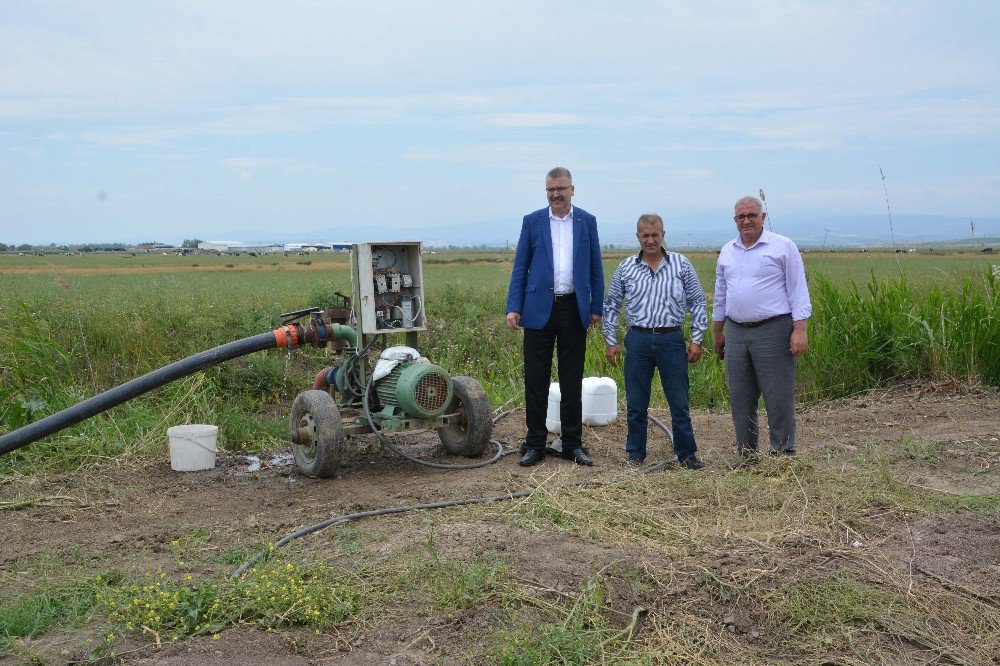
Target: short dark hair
(651, 219)
(560, 172)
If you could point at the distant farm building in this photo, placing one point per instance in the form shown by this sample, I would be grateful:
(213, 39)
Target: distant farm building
(317, 247)
(239, 247)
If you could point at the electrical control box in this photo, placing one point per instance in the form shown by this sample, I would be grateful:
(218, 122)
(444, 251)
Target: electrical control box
(388, 287)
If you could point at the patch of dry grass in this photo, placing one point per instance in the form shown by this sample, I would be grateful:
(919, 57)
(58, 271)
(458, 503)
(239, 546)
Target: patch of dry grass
(776, 562)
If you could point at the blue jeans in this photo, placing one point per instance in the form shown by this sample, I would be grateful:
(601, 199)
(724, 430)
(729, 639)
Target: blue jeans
(666, 352)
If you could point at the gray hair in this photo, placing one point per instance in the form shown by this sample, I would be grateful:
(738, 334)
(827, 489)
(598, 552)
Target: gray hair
(745, 200)
(650, 219)
(560, 172)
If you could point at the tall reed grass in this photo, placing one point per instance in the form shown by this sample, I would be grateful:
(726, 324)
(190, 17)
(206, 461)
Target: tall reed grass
(864, 336)
(63, 340)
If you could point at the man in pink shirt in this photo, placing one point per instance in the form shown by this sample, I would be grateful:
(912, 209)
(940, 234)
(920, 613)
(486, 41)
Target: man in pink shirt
(759, 318)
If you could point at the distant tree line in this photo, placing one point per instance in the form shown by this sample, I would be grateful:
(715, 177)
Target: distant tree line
(52, 247)
(89, 247)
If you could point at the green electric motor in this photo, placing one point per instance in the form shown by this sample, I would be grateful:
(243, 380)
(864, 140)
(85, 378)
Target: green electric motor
(421, 390)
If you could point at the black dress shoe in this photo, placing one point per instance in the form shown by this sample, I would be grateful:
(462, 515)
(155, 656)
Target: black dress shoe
(692, 463)
(532, 457)
(580, 457)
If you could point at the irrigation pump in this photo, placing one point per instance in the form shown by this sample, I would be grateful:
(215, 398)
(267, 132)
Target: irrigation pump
(402, 391)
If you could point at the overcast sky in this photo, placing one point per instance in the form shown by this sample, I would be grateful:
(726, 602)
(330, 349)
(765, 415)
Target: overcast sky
(181, 119)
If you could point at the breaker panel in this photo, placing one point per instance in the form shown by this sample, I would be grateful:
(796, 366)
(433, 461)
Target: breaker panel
(388, 285)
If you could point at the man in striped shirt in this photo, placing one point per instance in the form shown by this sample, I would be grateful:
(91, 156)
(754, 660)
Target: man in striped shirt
(659, 289)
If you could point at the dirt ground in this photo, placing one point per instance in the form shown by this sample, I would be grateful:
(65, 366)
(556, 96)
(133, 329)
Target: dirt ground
(114, 516)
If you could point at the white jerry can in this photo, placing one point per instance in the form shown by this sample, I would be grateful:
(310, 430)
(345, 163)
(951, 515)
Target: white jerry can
(600, 403)
(552, 419)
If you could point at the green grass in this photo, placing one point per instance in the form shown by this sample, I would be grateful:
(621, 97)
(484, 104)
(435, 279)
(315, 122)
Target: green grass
(863, 336)
(579, 630)
(842, 614)
(70, 333)
(68, 606)
(451, 585)
(274, 595)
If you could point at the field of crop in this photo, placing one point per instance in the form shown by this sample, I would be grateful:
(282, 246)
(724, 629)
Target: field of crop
(74, 326)
(107, 555)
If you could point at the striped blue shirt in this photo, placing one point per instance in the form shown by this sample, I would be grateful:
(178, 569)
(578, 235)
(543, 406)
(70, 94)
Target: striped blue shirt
(655, 299)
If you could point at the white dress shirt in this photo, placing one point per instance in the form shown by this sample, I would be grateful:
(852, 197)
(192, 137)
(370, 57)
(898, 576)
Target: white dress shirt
(761, 281)
(562, 250)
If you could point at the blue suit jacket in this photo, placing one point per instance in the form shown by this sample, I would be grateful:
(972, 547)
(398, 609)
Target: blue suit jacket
(533, 277)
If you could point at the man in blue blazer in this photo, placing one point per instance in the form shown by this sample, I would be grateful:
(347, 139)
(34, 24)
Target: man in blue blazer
(556, 292)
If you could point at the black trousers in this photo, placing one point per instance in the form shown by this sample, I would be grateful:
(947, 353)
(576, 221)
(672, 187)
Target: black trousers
(564, 333)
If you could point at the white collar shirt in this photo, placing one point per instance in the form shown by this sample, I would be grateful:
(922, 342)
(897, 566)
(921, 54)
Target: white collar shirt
(761, 281)
(562, 251)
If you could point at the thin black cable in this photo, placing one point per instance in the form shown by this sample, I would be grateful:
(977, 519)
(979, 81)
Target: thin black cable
(349, 368)
(434, 505)
(402, 454)
(368, 514)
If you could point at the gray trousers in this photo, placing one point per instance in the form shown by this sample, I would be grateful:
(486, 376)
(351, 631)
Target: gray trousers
(758, 361)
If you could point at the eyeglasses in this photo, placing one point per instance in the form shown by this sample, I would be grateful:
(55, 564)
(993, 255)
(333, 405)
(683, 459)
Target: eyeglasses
(747, 216)
(553, 190)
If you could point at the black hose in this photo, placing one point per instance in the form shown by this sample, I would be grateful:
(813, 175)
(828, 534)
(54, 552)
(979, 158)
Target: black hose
(368, 514)
(119, 394)
(347, 517)
(351, 376)
(403, 454)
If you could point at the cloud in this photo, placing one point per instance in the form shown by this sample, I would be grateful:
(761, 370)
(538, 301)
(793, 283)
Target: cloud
(523, 120)
(500, 154)
(651, 104)
(255, 162)
(30, 153)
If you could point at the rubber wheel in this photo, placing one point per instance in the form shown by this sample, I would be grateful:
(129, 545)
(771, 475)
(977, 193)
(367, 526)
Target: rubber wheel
(469, 434)
(316, 413)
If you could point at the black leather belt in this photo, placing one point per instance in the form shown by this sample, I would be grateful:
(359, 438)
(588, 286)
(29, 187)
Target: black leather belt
(657, 330)
(755, 324)
(563, 297)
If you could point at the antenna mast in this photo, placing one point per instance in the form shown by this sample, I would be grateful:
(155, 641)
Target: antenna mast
(892, 234)
(766, 216)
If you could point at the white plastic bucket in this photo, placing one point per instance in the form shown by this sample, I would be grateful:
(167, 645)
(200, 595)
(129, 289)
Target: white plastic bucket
(600, 403)
(192, 447)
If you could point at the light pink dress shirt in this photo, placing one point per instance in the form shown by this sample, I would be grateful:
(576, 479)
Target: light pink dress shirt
(761, 281)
